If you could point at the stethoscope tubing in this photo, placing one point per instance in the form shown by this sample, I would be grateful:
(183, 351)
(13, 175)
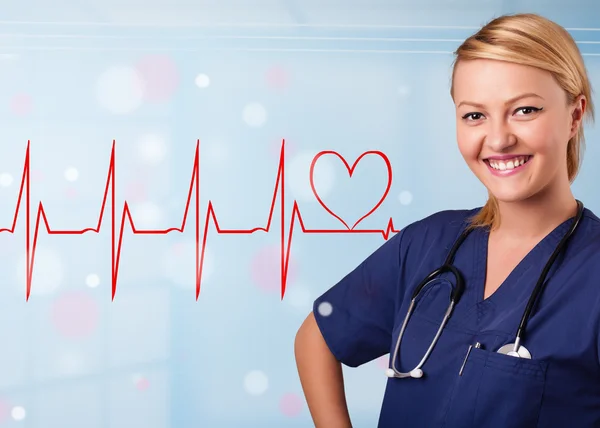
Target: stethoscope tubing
(457, 292)
(539, 286)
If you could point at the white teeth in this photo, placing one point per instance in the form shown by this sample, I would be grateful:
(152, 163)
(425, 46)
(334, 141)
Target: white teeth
(511, 164)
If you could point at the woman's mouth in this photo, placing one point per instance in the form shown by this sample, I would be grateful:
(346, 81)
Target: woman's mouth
(507, 166)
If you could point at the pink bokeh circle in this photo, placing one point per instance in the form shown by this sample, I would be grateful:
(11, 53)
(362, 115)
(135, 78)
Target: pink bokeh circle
(291, 405)
(21, 104)
(276, 145)
(4, 410)
(75, 314)
(135, 191)
(266, 269)
(160, 76)
(71, 192)
(277, 77)
(36, 175)
(142, 384)
(179, 248)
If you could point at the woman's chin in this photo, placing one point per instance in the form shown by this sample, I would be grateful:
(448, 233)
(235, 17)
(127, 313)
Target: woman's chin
(510, 195)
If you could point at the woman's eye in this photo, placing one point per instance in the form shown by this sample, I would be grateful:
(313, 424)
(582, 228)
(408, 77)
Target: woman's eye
(474, 116)
(528, 109)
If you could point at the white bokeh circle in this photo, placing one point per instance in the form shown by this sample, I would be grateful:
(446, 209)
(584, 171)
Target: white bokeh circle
(403, 90)
(146, 215)
(152, 149)
(256, 382)
(179, 264)
(5, 179)
(120, 89)
(71, 174)
(254, 115)
(325, 309)
(202, 81)
(18, 413)
(92, 280)
(405, 197)
(298, 176)
(47, 275)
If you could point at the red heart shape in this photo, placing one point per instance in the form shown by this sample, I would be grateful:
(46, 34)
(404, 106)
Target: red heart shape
(350, 171)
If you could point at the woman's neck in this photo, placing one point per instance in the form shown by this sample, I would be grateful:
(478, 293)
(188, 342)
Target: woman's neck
(534, 218)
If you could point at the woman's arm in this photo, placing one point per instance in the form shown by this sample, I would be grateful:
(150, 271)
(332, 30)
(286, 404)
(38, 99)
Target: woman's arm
(321, 377)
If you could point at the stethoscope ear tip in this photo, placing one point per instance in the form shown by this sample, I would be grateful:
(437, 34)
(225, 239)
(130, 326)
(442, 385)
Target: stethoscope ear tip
(416, 373)
(390, 373)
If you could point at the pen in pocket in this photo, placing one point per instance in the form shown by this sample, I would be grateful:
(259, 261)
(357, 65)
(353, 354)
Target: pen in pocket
(477, 345)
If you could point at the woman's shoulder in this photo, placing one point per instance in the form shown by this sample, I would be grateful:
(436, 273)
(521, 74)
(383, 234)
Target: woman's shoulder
(438, 225)
(589, 238)
(591, 218)
(454, 217)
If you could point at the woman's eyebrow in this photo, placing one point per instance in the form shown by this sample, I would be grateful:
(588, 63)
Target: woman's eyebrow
(510, 101)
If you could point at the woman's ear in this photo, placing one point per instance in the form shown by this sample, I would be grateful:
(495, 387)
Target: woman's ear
(577, 113)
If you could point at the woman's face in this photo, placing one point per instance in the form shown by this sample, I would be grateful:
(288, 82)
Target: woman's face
(513, 126)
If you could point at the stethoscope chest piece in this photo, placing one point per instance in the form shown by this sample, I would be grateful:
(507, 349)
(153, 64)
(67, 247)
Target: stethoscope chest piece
(509, 349)
(512, 349)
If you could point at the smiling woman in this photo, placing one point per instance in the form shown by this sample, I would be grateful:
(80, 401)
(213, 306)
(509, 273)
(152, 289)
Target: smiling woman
(538, 127)
(491, 316)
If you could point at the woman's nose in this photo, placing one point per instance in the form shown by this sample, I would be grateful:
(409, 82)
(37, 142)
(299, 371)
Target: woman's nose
(500, 138)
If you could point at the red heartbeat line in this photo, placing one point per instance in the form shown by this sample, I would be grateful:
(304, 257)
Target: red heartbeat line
(194, 191)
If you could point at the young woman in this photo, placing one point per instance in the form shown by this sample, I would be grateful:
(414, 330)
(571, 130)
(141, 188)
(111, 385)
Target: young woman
(502, 358)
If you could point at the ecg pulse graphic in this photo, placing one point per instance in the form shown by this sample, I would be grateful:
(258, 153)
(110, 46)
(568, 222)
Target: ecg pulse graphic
(210, 216)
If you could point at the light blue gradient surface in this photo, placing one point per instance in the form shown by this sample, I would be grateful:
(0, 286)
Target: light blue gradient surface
(349, 76)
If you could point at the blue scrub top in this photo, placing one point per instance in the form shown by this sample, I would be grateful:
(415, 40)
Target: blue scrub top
(558, 387)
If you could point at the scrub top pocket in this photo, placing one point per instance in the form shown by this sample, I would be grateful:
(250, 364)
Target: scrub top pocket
(498, 391)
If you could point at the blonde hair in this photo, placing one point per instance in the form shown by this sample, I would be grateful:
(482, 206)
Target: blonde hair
(532, 40)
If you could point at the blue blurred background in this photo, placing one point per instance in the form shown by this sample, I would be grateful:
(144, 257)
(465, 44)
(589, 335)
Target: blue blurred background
(158, 75)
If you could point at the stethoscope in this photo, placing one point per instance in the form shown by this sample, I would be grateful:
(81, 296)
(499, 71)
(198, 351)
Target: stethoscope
(512, 349)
